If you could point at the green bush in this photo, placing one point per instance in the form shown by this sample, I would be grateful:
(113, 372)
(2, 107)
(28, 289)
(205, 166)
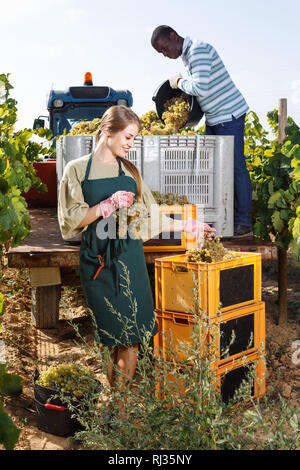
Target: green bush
(188, 412)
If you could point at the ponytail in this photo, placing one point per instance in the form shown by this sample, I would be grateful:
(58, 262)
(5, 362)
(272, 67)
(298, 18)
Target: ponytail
(135, 173)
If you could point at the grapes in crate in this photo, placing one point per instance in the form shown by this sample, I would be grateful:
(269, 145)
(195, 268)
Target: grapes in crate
(211, 251)
(86, 127)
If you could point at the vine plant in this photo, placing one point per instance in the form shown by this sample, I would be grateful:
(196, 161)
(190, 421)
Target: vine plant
(275, 175)
(18, 152)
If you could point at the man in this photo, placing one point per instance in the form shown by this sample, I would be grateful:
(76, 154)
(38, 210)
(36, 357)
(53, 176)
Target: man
(223, 104)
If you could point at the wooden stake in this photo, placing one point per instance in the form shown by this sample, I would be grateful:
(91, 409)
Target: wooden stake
(282, 254)
(282, 120)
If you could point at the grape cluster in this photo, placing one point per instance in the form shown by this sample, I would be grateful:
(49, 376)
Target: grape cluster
(210, 252)
(86, 127)
(69, 378)
(176, 112)
(169, 199)
(174, 118)
(132, 218)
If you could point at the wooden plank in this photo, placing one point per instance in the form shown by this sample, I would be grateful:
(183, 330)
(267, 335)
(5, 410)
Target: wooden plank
(45, 247)
(45, 306)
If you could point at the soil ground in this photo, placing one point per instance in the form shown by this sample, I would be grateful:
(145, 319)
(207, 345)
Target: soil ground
(27, 348)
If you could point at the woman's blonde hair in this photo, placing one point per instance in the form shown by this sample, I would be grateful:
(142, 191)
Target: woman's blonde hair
(116, 119)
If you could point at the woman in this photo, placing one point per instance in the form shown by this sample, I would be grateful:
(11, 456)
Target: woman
(91, 190)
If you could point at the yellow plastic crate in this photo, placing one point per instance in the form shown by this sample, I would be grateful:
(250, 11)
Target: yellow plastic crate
(247, 323)
(234, 283)
(227, 380)
(185, 241)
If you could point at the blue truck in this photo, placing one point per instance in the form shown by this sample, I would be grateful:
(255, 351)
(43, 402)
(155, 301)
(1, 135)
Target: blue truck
(80, 103)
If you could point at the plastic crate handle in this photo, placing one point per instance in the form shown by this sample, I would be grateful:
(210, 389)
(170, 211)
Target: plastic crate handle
(181, 321)
(179, 268)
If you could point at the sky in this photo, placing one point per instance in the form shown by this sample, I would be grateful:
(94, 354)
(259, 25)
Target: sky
(52, 43)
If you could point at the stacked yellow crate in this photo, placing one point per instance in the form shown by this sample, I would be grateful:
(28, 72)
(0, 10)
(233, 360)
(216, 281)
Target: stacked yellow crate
(229, 292)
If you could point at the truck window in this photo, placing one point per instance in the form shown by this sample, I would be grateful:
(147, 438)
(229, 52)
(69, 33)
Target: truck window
(67, 117)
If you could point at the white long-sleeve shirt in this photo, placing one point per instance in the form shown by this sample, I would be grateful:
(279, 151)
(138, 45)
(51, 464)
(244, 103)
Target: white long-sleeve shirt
(211, 83)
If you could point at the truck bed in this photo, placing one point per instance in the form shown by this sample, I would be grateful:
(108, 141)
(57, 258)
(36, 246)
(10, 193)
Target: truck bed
(45, 247)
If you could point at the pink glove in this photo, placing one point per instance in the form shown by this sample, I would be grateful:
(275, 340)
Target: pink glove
(116, 200)
(199, 230)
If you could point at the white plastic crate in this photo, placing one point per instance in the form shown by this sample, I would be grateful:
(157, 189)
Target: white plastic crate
(70, 147)
(197, 166)
(135, 154)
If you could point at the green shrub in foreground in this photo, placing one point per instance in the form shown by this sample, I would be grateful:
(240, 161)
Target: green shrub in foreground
(191, 414)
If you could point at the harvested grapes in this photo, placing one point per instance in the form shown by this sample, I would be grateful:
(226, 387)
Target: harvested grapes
(176, 112)
(210, 252)
(69, 378)
(169, 199)
(86, 127)
(174, 118)
(132, 219)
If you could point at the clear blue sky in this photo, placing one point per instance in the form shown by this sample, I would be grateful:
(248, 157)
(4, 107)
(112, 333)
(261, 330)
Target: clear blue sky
(52, 43)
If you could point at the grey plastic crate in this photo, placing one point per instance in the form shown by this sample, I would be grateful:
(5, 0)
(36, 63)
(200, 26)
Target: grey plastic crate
(135, 155)
(197, 166)
(70, 147)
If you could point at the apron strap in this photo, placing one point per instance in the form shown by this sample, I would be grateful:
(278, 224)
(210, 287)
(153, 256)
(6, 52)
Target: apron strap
(121, 172)
(88, 167)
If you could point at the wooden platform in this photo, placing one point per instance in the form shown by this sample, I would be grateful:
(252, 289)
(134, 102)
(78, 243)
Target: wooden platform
(45, 247)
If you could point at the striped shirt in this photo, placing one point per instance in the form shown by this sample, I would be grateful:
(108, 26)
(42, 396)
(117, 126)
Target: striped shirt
(210, 82)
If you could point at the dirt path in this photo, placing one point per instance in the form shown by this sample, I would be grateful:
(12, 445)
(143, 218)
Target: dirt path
(26, 348)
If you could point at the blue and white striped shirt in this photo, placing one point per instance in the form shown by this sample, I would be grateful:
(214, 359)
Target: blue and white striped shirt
(210, 82)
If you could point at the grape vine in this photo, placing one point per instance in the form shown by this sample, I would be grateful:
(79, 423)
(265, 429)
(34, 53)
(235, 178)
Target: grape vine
(17, 173)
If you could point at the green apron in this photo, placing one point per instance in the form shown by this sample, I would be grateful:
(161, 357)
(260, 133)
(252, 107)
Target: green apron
(103, 262)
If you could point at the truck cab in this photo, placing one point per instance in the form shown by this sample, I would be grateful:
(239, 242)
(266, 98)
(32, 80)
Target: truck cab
(80, 103)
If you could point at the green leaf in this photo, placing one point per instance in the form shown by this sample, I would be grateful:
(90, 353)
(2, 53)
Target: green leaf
(278, 223)
(285, 215)
(271, 187)
(294, 249)
(10, 384)
(273, 199)
(9, 433)
(296, 230)
(296, 173)
(1, 304)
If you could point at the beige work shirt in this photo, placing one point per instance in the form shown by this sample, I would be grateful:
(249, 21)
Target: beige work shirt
(72, 207)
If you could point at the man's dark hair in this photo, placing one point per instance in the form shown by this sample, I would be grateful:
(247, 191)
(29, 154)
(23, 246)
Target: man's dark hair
(161, 31)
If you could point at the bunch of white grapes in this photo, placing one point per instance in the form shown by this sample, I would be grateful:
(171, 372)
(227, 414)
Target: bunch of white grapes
(176, 112)
(69, 378)
(169, 199)
(86, 127)
(131, 218)
(211, 251)
(174, 118)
